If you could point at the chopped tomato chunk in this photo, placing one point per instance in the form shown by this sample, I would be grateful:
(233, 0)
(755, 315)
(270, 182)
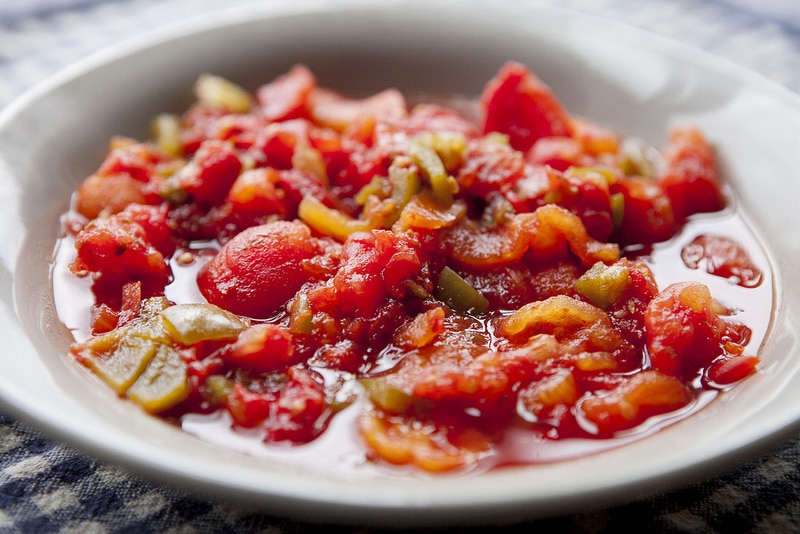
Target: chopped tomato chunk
(518, 104)
(729, 370)
(262, 348)
(256, 272)
(286, 97)
(683, 331)
(690, 179)
(119, 248)
(644, 395)
(213, 170)
(466, 278)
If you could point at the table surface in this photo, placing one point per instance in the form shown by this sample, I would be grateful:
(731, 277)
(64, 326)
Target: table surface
(47, 486)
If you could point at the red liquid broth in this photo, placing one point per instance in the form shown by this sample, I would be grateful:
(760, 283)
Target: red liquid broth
(339, 448)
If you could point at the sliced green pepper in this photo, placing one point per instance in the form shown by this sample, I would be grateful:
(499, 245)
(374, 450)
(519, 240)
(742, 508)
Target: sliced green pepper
(300, 315)
(386, 397)
(405, 184)
(617, 209)
(191, 323)
(429, 162)
(118, 358)
(163, 383)
(603, 284)
(456, 292)
(221, 92)
(329, 221)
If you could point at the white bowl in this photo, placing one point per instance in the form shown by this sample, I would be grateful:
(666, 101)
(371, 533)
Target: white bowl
(55, 135)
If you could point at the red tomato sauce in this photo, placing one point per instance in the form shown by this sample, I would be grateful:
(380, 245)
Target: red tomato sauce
(411, 287)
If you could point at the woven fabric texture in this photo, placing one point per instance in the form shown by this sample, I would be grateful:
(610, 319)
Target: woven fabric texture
(46, 486)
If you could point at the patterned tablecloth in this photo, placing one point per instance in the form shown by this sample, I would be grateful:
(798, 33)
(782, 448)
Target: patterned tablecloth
(46, 486)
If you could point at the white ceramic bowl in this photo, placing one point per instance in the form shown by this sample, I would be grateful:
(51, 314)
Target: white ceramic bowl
(55, 135)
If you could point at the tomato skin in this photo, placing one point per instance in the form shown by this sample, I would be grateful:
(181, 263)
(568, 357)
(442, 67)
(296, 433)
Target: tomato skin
(275, 145)
(154, 222)
(286, 97)
(505, 286)
(560, 153)
(374, 266)
(393, 129)
(137, 160)
(103, 319)
(648, 215)
(254, 193)
(683, 332)
(516, 103)
(215, 168)
(297, 184)
(128, 175)
(248, 408)
(110, 194)
(472, 244)
(590, 201)
(299, 414)
(628, 312)
(119, 249)
(723, 257)
(690, 179)
(491, 167)
(198, 124)
(641, 396)
(257, 271)
(261, 348)
(330, 109)
(728, 370)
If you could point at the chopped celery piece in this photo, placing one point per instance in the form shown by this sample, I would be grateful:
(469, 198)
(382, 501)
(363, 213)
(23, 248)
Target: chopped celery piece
(637, 158)
(166, 130)
(220, 92)
(617, 209)
(153, 306)
(496, 138)
(598, 175)
(119, 357)
(429, 162)
(163, 383)
(329, 221)
(300, 315)
(458, 294)
(217, 388)
(603, 284)
(386, 397)
(449, 146)
(308, 158)
(149, 326)
(559, 310)
(405, 184)
(378, 187)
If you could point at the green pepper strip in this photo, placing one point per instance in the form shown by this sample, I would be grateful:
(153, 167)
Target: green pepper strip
(433, 169)
(456, 292)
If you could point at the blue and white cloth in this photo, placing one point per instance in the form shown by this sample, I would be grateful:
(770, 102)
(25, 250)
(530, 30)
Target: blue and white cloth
(46, 486)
